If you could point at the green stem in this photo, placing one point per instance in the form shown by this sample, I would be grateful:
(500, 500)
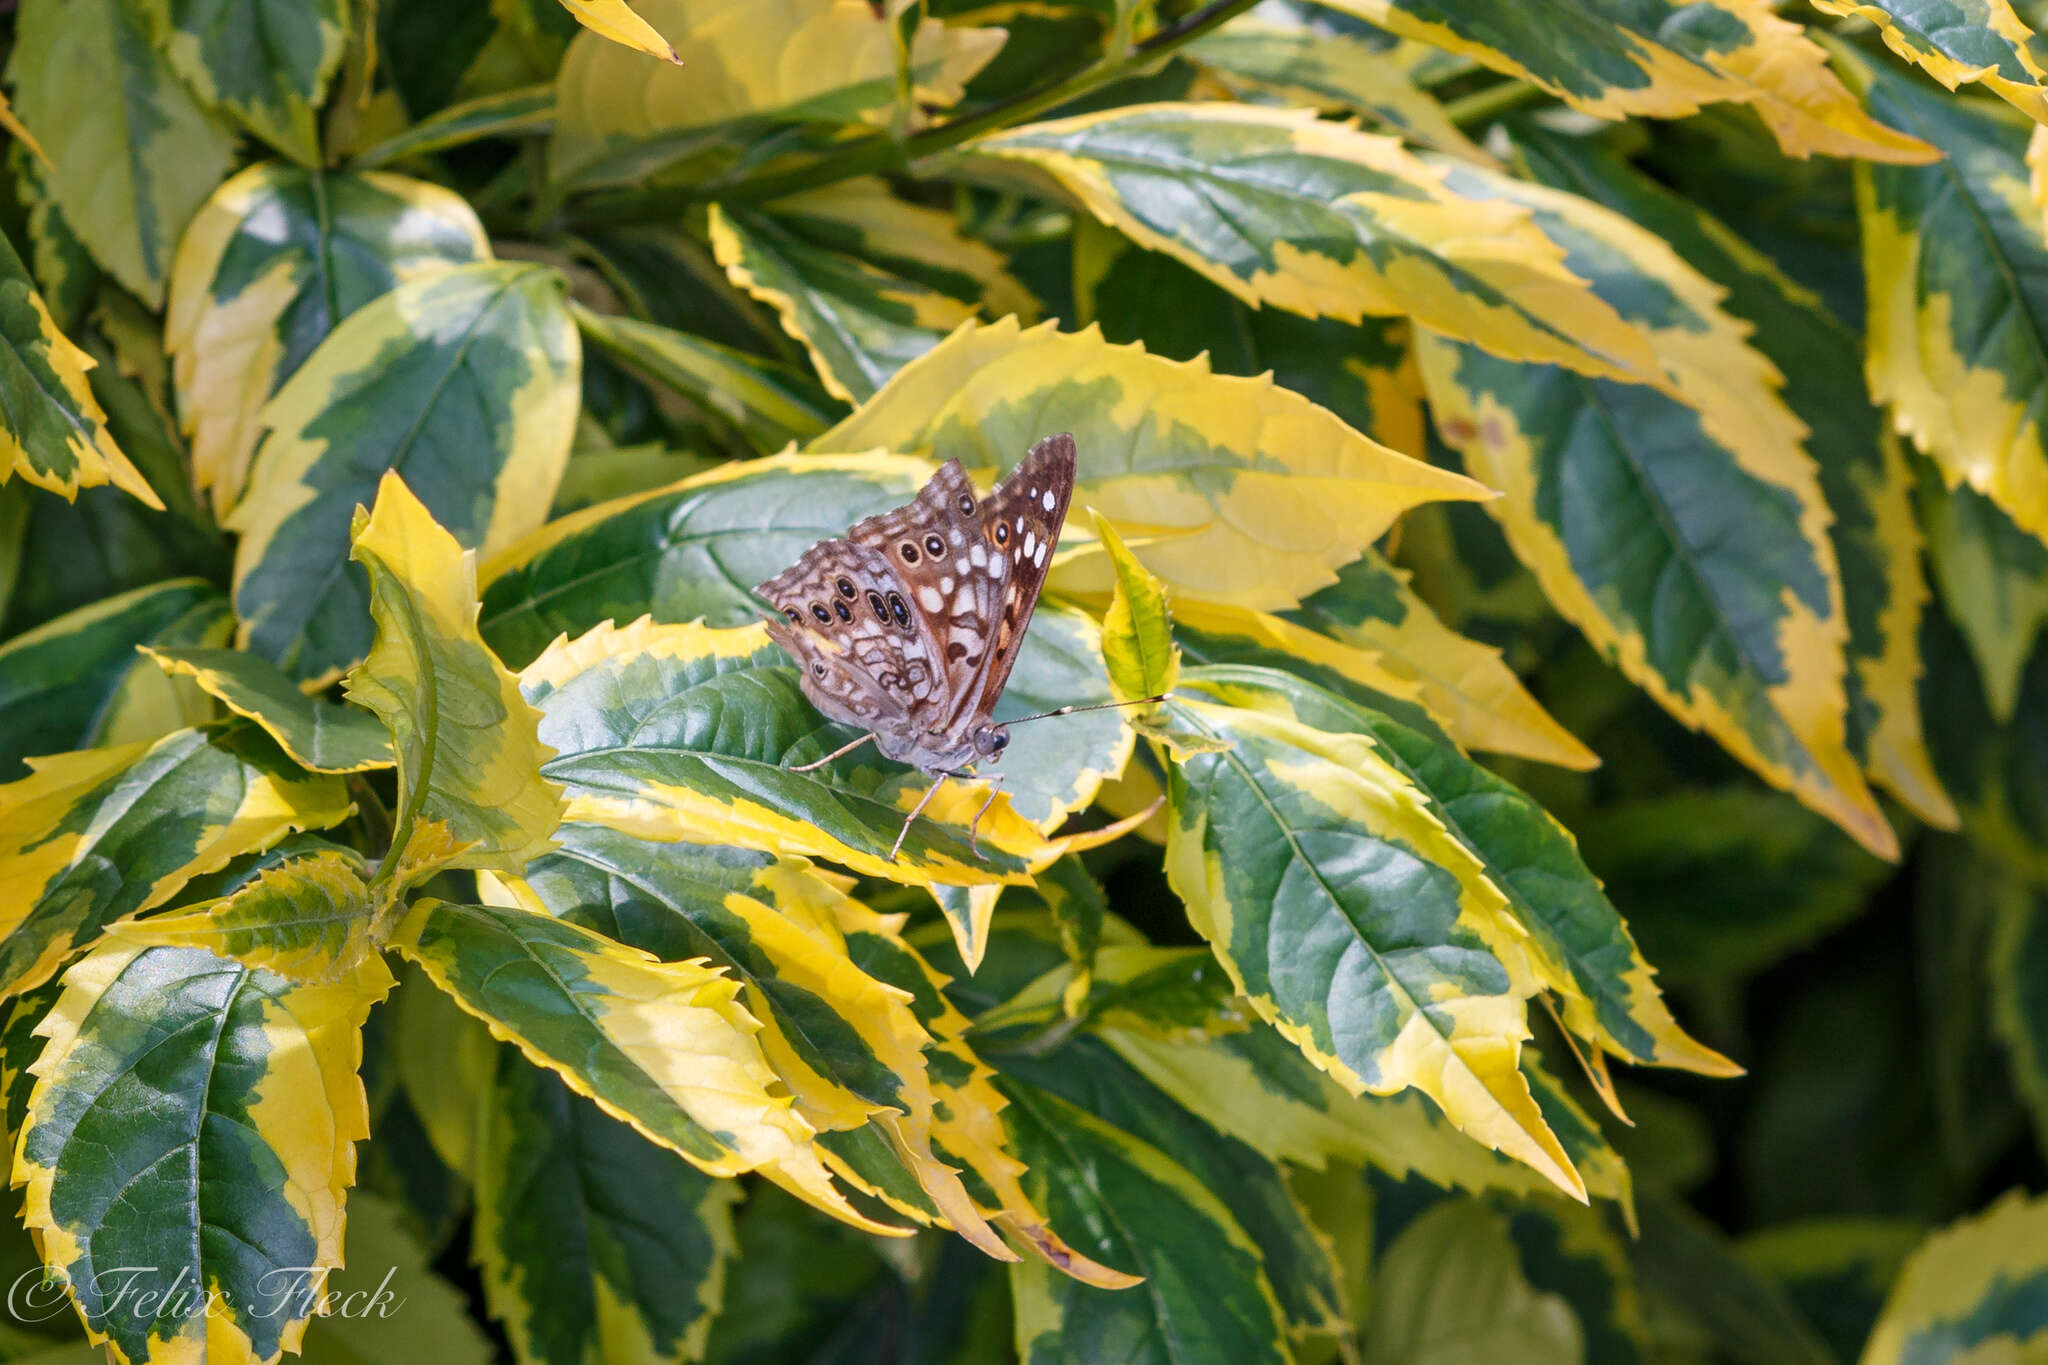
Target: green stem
(881, 152)
(1495, 100)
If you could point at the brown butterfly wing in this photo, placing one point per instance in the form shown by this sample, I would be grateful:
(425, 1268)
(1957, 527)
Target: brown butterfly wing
(867, 659)
(936, 544)
(1021, 522)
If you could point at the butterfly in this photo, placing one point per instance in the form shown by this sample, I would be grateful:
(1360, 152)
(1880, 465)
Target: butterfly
(909, 627)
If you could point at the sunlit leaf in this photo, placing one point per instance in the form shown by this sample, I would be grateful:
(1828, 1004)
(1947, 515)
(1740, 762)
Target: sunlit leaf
(1962, 42)
(304, 919)
(614, 19)
(193, 1126)
(686, 732)
(848, 1046)
(1231, 489)
(1957, 276)
(690, 551)
(824, 61)
(321, 736)
(272, 262)
(55, 435)
(132, 153)
(664, 1047)
(1718, 590)
(1867, 484)
(1284, 209)
(1274, 63)
(1613, 57)
(1137, 632)
(1580, 947)
(92, 837)
(465, 382)
(469, 756)
(1354, 923)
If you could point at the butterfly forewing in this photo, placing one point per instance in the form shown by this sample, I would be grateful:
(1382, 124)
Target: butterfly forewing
(1021, 523)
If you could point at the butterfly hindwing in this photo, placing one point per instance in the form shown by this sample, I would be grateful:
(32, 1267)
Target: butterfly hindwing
(848, 620)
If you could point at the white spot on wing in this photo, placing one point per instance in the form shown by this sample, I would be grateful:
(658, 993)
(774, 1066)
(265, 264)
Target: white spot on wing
(946, 583)
(965, 601)
(1049, 500)
(1030, 541)
(1039, 558)
(928, 597)
(978, 556)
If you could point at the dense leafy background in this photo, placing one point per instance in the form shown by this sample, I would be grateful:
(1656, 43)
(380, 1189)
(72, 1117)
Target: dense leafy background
(1578, 470)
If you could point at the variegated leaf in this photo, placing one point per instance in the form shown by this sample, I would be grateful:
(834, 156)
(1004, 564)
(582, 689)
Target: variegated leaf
(1206, 1294)
(1285, 209)
(1231, 489)
(1971, 1290)
(1962, 42)
(320, 735)
(55, 435)
(770, 405)
(686, 552)
(860, 323)
(1719, 592)
(687, 732)
(1355, 923)
(264, 63)
(271, 264)
(665, 1047)
(192, 1129)
(465, 382)
(93, 837)
(1957, 277)
(849, 1047)
(595, 1244)
(1867, 484)
(77, 682)
(1614, 58)
(470, 789)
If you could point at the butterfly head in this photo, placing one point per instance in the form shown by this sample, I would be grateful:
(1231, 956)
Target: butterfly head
(989, 742)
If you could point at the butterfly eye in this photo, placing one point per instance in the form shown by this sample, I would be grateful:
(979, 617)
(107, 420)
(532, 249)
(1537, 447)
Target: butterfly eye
(844, 614)
(908, 551)
(898, 610)
(1002, 534)
(824, 617)
(966, 505)
(818, 670)
(935, 547)
(790, 612)
(878, 606)
(845, 587)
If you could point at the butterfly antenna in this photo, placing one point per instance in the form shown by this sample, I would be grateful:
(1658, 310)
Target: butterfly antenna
(1076, 710)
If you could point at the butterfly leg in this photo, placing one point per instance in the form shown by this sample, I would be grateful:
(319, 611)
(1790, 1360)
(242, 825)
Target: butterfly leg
(995, 787)
(841, 752)
(916, 811)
